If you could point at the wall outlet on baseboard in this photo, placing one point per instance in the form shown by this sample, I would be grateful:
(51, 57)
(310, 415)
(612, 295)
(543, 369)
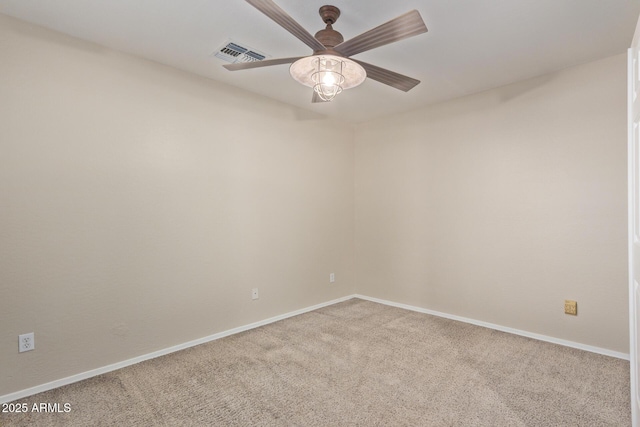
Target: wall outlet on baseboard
(332, 278)
(26, 342)
(254, 293)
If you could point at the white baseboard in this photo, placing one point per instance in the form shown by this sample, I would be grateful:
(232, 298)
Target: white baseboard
(585, 347)
(99, 371)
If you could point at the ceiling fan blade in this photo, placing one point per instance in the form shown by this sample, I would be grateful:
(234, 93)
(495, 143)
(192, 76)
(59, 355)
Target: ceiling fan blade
(273, 11)
(316, 98)
(388, 77)
(257, 64)
(408, 25)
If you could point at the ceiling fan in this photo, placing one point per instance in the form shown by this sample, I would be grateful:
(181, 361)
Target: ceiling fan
(329, 70)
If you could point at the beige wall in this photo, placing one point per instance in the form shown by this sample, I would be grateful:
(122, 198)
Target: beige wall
(140, 205)
(500, 205)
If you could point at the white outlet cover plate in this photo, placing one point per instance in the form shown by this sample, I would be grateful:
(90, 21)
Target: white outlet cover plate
(26, 342)
(254, 293)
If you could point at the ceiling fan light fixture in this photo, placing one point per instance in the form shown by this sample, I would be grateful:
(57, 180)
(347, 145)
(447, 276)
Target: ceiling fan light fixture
(328, 75)
(330, 48)
(328, 78)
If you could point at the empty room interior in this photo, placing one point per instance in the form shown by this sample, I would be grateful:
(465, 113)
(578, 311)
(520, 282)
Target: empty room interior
(184, 243)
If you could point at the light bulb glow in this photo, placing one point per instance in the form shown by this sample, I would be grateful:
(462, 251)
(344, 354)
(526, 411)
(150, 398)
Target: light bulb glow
(328, 78)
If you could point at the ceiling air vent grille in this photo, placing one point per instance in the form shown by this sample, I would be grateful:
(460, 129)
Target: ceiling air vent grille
(235, 52)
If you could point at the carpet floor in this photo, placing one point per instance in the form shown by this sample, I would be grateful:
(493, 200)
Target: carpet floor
(356, 363)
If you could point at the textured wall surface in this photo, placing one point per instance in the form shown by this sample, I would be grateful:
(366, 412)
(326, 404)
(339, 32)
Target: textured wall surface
(501, 205)
(140, 205)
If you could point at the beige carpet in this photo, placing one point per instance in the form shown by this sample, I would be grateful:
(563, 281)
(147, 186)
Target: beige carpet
(354, 363)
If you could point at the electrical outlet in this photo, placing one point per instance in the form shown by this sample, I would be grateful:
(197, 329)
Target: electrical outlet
(332, 278)
(570, 307)
(26, 342)
(254, 293)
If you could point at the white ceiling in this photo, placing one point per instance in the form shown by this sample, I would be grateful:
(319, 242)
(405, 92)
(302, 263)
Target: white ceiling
(471, 46)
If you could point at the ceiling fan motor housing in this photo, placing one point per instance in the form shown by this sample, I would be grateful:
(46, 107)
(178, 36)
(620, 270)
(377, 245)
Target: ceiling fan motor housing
(329, 37)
